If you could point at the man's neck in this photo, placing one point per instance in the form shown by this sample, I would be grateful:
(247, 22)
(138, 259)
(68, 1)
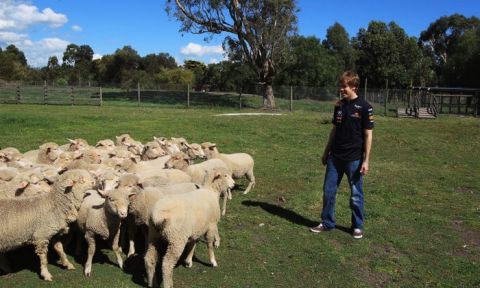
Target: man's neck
(351, 98)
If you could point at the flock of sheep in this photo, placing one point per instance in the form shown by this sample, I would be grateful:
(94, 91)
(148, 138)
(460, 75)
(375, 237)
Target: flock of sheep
(50, 194)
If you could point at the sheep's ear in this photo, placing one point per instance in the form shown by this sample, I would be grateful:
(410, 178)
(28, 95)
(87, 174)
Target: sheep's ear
(134, 160)
(197, 186)
(72, 141)
(102, 193)
(132, 196)
(188, 146)
(217, 175)
(23, 184)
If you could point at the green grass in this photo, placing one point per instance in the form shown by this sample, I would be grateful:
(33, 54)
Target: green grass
(422, 198)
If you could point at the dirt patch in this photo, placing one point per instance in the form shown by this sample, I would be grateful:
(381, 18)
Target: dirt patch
(471, 239)
(465, 190)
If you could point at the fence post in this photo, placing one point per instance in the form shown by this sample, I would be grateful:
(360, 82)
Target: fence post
(365, 89)
(44, 92)
(72, 99)
(18, 94)
(291, 98)
(386, 98)
(240, 100)
(138, 93)
(477, 108)
(188, 95)
(101, 96)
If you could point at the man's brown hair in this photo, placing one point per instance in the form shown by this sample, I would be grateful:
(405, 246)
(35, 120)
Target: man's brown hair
(350, 79)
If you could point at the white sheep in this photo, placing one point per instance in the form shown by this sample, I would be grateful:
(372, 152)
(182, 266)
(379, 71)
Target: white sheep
(144, 200)
(195, 151)
(168, 145)
(102, 217)
(241, 164)
(152, 150)
(180, 219)
(35, 220)
(199, 171)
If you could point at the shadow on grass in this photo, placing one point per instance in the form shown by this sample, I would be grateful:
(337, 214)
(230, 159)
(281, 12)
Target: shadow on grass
(289, 215)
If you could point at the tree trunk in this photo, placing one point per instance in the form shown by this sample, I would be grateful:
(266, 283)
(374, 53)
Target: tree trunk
(268, 98)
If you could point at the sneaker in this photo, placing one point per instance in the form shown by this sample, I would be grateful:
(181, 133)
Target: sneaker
(319, 228)
(357, 233)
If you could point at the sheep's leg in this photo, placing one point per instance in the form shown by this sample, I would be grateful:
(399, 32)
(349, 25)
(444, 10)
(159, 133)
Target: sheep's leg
(213, 239)
(151, 259)
(250, 178)
(4, 264)
(224, 206)
(41, 249)
(90, 237)
(229, 193)
(191, 249)
(131, 229)
(174, 251)
(58, 246)
(116, 248)
(78, 245)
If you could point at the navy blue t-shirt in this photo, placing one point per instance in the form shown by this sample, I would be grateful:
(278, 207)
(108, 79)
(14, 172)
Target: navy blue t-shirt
(351, 118)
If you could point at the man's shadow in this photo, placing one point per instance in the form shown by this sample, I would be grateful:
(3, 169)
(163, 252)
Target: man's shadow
(288, 215)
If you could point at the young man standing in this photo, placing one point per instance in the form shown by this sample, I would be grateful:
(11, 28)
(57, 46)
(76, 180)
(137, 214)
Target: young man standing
(347, 152)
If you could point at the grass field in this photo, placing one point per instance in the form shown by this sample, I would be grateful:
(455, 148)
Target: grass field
(422, 199)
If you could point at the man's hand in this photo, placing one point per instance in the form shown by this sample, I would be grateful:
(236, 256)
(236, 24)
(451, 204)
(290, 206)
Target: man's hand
(364, 168)
(324, 159)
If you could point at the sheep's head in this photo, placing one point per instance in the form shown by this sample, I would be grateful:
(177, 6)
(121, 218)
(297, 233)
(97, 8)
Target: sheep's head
(219, 180)
(123, 139)
(77, 144)
(117, 201)
(178, 161)
(50, 150)
(129, 182)
(76, 181)
(105, 144)
(181, 143)
(210, 149)
(152, 150)
(195, 151)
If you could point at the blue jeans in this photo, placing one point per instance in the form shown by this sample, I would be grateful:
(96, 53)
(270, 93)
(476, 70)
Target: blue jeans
(333, 176)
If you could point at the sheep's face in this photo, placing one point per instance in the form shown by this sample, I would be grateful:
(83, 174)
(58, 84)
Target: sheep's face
(106, 144)
(108, 181)
(50, 150)
(181, 143)
(221, 181)
(117, 201)
(153, 150)
(170, 147)
(128, 182)
(78, 181)
(77, 144)
(122, 139)
(177, 161)
(210, 150)
(195, 151)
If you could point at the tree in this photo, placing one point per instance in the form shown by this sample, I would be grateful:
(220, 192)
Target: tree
(258, 29)
(337, 40)
(13, 64)
(386, 52)
(198, 69)
(78, 60)
(311, 64)
(441, 36)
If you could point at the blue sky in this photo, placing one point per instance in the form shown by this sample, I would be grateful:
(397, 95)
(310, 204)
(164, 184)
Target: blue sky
(42, 28)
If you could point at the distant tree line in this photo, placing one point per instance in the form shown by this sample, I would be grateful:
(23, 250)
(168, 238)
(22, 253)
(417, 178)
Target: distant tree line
(447, 53)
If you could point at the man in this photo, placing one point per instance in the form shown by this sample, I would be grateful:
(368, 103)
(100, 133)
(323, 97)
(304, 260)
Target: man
(347, 152)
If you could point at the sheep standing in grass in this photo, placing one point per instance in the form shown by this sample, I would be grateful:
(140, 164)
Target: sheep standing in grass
(35, 220)
(241, 164)
(180, 219)
(199, 171)
(102, 217)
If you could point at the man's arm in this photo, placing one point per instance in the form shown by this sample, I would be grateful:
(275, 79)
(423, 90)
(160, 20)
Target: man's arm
(368, 147)
(328, 147)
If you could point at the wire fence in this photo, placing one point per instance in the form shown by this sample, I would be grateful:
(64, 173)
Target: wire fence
(386, 101)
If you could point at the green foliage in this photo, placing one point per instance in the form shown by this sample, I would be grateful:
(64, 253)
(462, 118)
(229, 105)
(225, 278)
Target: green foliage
(338, 41)
(13, 64)
(310, 64)
(386, 52)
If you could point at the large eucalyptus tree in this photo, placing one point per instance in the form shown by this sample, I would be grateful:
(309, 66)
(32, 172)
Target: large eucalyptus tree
(256, 31)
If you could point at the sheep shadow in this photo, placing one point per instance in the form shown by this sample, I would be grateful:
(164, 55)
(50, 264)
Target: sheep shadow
(289, 215)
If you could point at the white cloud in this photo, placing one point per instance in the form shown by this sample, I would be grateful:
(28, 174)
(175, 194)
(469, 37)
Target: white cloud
(17, 16)
(97, 56)
(77, 28)
(213, 61)
(199, 50)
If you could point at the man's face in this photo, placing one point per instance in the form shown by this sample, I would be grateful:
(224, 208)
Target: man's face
(346, 91)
